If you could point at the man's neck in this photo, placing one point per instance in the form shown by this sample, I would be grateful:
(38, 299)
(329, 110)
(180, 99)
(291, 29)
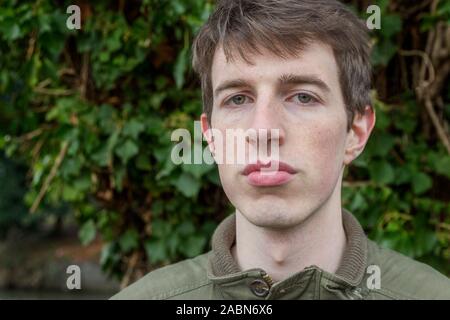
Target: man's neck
(319, 240)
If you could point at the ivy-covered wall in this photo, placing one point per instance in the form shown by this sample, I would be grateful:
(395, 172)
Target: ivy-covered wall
(89, 113)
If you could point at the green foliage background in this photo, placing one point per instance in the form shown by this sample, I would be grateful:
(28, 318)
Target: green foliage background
(102, 101)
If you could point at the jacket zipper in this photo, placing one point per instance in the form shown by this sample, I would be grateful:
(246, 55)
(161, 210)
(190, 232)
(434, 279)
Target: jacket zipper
(267, 278)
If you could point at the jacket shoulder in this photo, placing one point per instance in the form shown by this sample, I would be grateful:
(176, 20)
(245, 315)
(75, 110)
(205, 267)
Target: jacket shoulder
(404, 278)
(168, 282)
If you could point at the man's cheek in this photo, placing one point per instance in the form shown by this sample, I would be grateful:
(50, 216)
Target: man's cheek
(228, 177)
(325, 157)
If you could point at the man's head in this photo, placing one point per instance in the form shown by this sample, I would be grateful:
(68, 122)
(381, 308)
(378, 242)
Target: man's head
(301, 67)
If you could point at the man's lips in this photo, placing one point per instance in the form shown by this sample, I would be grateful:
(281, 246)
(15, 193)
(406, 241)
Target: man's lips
(269, 167)
(268, 175)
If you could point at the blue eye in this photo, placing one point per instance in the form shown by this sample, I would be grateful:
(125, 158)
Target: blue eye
(237, 99)
(304, 98)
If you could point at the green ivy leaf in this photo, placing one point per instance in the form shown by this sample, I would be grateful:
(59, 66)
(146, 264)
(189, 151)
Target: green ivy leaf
(180, 68)
(403, 175)
(193, 246)
(390, 25)
(421, 182)
(442, 165)
(127, 150)
(87, 232)
(70, 193)
(187, 185)
(383, 52)
(156, 251)
(186, 228)
(133, 128)
(358, 203)
(129, 240)
(381, 172)
(10, 29)
(380, 144)
(197, 170)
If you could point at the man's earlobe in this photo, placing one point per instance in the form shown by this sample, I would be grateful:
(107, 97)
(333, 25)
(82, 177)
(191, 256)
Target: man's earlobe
(362, 126)
(207, 132)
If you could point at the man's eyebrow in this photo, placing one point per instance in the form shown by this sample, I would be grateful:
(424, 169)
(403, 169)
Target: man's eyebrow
(283, 80)
(290, 78)
(230, 84)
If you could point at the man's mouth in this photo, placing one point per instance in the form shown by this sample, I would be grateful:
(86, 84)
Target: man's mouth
(273, 173)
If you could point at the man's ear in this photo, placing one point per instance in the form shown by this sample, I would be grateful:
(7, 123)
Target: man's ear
(207, 133)
(359, 134)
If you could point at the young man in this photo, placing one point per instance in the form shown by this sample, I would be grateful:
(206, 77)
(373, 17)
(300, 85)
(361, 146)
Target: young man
(300, 67)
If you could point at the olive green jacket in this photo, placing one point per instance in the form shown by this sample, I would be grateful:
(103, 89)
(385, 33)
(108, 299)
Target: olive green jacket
(367, 271)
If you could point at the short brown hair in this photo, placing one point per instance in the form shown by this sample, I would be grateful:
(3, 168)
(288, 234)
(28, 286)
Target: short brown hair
(285, 27)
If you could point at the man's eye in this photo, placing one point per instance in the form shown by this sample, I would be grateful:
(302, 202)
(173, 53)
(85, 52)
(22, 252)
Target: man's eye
(304, 98)
(237, 100)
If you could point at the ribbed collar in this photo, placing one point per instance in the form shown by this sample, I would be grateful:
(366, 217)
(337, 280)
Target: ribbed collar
(351, 269)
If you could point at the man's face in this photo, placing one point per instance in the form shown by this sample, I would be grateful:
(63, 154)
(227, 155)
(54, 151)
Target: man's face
(310, 116)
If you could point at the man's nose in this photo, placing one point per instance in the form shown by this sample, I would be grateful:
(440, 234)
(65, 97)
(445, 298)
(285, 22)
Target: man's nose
(266, 124)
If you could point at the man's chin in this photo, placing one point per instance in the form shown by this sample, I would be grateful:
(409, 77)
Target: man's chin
(274, 218)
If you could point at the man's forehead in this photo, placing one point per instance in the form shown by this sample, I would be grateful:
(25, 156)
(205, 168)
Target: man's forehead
(316, 58)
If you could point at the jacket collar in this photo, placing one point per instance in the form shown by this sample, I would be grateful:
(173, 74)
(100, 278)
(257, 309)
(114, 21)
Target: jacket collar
(351, 270)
